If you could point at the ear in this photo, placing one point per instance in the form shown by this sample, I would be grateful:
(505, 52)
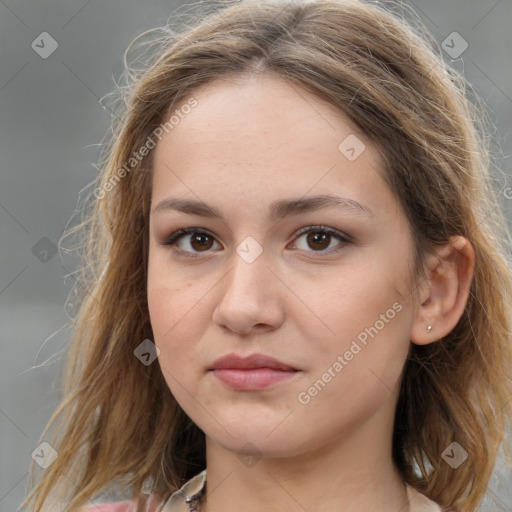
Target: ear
(444, 293)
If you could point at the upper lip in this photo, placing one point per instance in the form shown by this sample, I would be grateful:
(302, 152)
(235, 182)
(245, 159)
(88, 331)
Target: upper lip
(252, 361)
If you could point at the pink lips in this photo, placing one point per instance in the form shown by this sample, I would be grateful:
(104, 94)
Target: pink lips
(256, 371)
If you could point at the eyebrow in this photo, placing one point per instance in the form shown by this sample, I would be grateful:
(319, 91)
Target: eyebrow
(278, 209)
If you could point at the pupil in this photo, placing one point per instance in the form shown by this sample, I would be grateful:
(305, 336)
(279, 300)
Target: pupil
(200, 239)
(317, 238)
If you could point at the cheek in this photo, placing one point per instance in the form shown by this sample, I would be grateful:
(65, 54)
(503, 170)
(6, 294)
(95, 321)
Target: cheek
(164, 286)
(171, 306)
(361, 316)
(346, 302)
(174, 333)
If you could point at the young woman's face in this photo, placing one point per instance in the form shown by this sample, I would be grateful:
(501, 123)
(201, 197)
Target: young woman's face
(332, 302)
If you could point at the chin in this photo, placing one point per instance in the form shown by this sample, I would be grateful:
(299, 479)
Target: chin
(255, 441)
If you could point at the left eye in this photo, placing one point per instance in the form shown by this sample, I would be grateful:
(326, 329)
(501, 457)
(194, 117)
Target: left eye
(319, 238)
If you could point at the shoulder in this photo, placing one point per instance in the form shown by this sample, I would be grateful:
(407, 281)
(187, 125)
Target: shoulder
(120, 506)
(193, 490)
(418, 502)
(117, 506)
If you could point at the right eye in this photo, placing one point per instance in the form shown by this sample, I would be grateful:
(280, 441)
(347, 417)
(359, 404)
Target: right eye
(200, 242)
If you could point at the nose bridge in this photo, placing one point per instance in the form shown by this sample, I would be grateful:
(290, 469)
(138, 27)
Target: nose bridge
(249, 266)
(248, 297)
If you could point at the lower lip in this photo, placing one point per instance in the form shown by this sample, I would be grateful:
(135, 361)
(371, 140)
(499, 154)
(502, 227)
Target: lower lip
(255, 378)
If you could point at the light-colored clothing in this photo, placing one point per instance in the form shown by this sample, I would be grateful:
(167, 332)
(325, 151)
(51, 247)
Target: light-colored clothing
(185, 499)
(124, 506)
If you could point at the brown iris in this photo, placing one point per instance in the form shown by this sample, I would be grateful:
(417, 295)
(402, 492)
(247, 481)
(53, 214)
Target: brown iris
(201, 240)
(317, 237)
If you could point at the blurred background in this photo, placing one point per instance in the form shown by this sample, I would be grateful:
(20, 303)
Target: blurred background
(58, 59)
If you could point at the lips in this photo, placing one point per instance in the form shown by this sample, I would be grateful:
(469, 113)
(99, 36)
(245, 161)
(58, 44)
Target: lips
(233, 361)
(252, 373)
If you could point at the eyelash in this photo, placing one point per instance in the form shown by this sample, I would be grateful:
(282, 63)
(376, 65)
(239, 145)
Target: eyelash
(173, 238)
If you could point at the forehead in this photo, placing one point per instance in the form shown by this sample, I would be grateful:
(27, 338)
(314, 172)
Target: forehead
(254, 136)
(262, 107)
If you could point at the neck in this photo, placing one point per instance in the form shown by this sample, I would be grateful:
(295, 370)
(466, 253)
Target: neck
(352, 473)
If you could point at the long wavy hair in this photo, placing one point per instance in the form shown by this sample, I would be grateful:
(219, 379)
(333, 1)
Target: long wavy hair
(117, 422)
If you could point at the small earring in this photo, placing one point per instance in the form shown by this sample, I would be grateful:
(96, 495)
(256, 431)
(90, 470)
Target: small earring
(429, 328)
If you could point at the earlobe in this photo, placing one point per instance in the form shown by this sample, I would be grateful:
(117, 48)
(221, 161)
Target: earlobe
(444, 293)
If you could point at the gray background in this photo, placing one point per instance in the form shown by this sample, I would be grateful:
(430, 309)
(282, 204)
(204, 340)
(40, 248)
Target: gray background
(51, 124)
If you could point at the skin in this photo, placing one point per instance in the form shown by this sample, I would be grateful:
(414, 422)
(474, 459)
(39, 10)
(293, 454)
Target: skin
(248, 142)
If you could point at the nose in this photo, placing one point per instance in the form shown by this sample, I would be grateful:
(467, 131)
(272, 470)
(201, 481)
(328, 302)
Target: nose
(250, 297)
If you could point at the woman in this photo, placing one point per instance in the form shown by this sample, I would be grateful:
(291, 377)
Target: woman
(295, 291)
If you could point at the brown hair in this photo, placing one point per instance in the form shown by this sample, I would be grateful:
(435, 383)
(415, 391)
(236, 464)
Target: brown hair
(118, 421)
